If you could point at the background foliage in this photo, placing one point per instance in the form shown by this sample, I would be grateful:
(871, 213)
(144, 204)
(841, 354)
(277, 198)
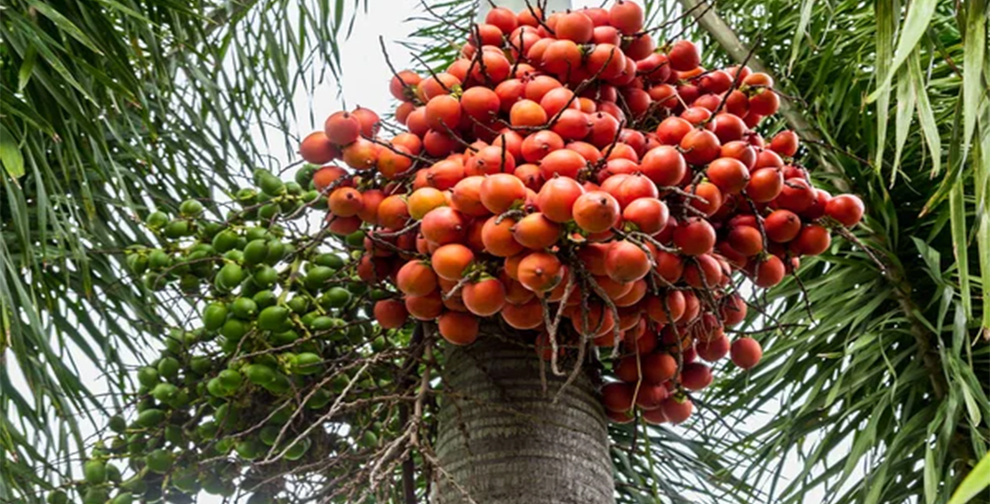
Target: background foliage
(882, 395)
(110, 107)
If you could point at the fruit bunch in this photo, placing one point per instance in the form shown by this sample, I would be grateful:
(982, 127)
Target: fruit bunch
(282, 332)
(569, 176)
(564, 177)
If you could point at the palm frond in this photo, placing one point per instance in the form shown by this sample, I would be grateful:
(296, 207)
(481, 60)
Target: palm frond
(111, 108)
(877, 396)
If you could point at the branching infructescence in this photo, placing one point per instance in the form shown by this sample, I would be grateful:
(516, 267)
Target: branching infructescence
(579, 185)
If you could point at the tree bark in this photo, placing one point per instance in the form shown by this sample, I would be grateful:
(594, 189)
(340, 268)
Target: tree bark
(502, 440)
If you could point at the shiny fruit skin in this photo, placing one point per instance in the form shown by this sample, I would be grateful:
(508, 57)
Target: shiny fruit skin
(648, 214)
(626, 262)
(458, 328)
(536, 232)
(498, 239)
(484, 298)
(782, 226)
(416, 278)
(342, 128)
(443, 225)
(501, 191)
(812, 240)
(676, 411)
(626, 16)
(540, 271)
(451, 260)
(694, 236)
(316, 148)
(556, 198)
(596, 211)
(846, 208)
(746, 352)
(764, 185)
(728, 174)
(390, 313)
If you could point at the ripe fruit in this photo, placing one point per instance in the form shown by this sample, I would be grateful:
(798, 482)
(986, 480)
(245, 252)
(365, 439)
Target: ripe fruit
(443, 225)
(812, 240)
(626, 262)
(525, 316)
(484, 298)
(416, 278)
(785, 143)
(498, 237)
(796, 195)
(782, 226)
(596, 211)
(747, 240)
(346, 202)
(423, 200)
(403, 84)
(713, 350)
(562, 163)
(746, 352)
(390, 313)
(694, 236)
(700, 146)
(659, 367)
(617, 396)
(466, 197)
(458, 328)
(764, 184)
(649, 215)
(499, 192)
(342, 128)
(846, 208)
(696, 376)
(540, 271)
(729, 174)
(675, 410)
(539, 167)
(575, 26)
(535, 231)
(626, 16)
(556, 198)
(316, 148)
(443, 112)
(768, 272)
(426, 307)
(683, 56)
(527, 113)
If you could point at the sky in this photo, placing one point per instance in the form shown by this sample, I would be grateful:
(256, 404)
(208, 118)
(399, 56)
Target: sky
(364, 82)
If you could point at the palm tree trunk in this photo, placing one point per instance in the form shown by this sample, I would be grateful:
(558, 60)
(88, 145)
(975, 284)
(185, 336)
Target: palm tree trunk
(502, 440)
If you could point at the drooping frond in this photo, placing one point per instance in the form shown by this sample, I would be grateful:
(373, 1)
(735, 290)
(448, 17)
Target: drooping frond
(111, 108)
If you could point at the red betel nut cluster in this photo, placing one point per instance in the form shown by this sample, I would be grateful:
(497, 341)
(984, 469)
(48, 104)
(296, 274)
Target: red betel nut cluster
(569, 176)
